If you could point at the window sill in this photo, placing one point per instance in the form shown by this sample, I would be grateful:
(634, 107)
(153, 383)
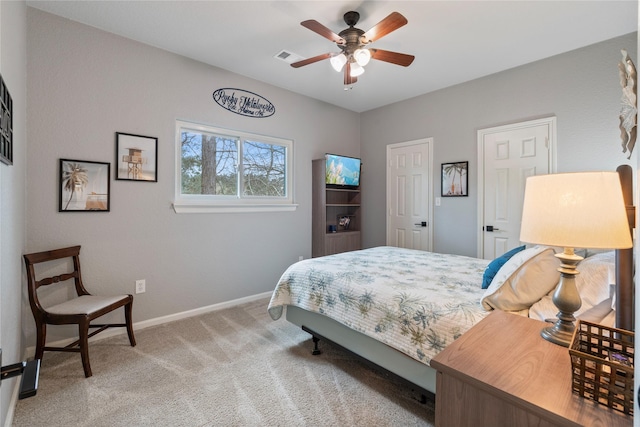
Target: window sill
(230, 208)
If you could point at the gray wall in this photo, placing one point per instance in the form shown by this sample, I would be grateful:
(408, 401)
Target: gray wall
(85, 85)
(13, 66)
(581, 88)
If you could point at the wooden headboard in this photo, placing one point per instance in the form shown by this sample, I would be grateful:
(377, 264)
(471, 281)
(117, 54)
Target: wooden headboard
(625, 288)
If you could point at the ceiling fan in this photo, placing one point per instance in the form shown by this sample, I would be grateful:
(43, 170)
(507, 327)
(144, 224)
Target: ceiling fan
(353, 41)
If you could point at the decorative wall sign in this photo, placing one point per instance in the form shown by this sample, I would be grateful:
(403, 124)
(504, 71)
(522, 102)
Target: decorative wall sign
(84, 186)
(244, 102)
(136, 157)
(455, 179)
(6, 124)
(628, 111)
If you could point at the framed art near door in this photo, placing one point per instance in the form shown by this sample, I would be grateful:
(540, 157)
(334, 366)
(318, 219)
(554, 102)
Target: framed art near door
(455, 179)
(84, 186)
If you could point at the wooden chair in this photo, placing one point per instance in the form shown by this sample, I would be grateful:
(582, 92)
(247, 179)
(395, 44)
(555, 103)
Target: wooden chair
(80, 310)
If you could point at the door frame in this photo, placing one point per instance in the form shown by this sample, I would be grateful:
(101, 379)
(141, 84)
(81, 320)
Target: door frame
(429, 143)
(481, 133)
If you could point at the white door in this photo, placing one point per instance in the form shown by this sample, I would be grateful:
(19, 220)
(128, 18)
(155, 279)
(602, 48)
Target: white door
(409, 194)
(507, 155)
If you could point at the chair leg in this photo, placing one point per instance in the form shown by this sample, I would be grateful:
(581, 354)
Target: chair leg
(84, 346)
(128, 308)
(41, 336)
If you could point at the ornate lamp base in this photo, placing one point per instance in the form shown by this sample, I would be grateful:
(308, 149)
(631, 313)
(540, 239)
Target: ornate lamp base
(559, 333)
(567, 299)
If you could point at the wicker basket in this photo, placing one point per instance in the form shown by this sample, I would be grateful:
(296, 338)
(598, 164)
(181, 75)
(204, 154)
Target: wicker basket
(602, 365)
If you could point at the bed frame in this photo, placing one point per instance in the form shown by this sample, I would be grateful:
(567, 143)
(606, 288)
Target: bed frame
(384, 358)
(625, 289)
(423, 377)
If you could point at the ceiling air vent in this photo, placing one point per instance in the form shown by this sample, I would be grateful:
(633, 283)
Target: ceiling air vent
(288, 57)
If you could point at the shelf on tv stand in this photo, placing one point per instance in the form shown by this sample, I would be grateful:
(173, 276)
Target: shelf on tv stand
(342, 189)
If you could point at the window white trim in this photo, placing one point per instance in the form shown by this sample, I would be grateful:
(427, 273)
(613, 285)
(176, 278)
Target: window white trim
(231, 204)
(202, 208)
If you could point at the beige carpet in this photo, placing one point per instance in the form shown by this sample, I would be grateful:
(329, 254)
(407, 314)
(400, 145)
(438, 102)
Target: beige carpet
(233, 367)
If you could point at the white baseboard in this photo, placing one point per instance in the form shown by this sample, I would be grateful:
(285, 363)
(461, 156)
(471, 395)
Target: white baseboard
(196, 311)
(31, 351)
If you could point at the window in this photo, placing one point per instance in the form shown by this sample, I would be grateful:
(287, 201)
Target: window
(218, 170)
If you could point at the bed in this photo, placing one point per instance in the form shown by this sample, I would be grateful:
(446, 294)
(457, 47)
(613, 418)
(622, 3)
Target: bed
(397, 308)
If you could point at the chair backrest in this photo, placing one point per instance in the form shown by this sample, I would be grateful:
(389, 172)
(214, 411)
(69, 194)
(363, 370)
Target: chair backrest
(33, 283)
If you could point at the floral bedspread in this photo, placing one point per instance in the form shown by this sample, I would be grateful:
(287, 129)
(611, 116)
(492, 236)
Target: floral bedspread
(414, 301)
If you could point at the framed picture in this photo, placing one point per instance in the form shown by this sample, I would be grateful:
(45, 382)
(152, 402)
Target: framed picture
(136, 157)
(455, 179)
(84, 186)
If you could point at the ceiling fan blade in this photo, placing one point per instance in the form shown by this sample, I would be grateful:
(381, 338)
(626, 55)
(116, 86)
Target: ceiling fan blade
(348, 79)
(384, 27)
(311, 60)
(318, 28)
(392, 57)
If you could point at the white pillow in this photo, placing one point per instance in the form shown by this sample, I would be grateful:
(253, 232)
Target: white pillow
(596, 274)
(601, 313)
(595, 283)
(523, 280)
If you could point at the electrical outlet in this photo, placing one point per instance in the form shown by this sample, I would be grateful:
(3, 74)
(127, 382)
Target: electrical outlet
(140, 286)
(300, 258)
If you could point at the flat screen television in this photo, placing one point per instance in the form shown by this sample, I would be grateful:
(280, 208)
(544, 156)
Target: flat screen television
(342, 171)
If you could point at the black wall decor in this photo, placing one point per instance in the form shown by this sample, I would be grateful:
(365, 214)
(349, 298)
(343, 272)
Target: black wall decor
(6, 124)
(243, 102)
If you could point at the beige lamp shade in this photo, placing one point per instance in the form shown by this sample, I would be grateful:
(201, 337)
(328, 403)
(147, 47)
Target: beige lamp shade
(576, 210)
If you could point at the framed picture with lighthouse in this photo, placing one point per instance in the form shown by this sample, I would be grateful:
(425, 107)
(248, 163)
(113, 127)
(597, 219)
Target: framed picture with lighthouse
(136, 157)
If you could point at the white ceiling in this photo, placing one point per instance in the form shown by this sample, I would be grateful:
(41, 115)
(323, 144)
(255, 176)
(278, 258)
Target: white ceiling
(453, 41)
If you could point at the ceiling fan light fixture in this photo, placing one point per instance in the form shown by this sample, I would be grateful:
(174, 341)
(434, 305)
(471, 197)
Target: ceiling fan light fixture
(353, 42)
(362, 56)
(338, 61)
(356, 69)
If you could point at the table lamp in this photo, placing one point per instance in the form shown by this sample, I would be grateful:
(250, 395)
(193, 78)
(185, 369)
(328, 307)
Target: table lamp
(573, 210)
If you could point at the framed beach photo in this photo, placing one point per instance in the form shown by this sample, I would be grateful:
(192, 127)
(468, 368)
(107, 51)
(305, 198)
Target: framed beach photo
(84, 186)
(455, 179)
(136, 157)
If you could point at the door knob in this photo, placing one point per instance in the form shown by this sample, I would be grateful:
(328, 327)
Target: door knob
(421, 224)
(491, 228)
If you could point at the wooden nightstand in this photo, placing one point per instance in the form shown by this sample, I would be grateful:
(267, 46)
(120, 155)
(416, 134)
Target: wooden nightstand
(503, 373)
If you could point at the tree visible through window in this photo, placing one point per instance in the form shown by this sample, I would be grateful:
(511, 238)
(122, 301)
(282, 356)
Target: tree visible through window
(264, 169)
(210, 165)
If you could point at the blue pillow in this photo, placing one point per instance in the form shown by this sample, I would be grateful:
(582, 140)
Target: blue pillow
(494, 266)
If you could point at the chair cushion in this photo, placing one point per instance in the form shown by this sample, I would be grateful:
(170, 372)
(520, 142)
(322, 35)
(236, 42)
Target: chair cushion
(85, 304)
